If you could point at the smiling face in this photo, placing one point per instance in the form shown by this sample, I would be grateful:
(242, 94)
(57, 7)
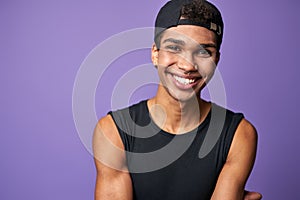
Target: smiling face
(186, 60)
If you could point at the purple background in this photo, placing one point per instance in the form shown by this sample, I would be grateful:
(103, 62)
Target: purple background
(43, 44)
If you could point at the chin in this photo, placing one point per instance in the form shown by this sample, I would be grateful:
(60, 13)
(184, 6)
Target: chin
(184, 96)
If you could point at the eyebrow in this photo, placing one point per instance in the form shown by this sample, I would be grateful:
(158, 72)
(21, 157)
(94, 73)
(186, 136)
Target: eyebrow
(181, 42)
(208, 45)
(172, 40)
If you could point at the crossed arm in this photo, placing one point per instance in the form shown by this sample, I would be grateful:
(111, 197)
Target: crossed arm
(113, 181)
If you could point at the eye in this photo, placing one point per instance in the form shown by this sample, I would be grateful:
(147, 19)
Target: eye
(204, 53)
(173, 48)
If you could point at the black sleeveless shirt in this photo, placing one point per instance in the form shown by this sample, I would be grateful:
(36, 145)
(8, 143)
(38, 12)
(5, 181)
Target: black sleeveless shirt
(166, 166)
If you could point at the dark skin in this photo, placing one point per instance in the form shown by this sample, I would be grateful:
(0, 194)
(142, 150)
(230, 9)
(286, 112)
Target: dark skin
(178, 100)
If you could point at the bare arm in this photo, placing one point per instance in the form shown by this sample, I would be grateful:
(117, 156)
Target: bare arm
(113, 181)
(239, 163)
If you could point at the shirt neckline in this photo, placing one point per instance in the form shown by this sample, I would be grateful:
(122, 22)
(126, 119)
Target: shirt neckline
(195, 130)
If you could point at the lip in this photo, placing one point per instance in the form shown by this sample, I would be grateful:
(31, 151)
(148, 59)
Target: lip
(183, 86)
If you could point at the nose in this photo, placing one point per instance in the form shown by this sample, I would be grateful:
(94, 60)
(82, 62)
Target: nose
(186, 63)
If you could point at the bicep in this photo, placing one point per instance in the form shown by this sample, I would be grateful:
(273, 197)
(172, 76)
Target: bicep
(112, 184)
(239, 163)
(113, 179)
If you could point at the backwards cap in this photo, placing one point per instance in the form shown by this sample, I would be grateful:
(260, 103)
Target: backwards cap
(170, 16)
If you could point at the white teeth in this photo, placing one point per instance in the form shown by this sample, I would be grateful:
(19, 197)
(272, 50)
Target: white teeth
(184, 81)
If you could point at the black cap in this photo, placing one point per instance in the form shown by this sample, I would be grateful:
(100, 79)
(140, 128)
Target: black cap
(170, 16)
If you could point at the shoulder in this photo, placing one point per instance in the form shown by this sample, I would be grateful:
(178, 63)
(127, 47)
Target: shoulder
(244, 142)
(108, 148)
(105, 122)
(246, 131)
(106, 127)
(247, 126)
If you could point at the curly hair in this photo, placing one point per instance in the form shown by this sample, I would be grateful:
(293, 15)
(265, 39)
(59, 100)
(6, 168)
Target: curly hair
(197, 11)
(200, 11)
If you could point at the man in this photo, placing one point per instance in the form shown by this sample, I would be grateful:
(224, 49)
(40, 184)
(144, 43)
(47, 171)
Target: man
(153, 150)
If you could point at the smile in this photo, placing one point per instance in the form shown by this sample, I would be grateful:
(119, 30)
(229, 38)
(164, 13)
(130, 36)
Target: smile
(185, 81)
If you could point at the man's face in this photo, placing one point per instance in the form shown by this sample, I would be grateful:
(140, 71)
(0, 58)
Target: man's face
(186, 60)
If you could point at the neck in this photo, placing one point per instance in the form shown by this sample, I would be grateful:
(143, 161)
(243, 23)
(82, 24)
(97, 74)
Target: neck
(175, 116)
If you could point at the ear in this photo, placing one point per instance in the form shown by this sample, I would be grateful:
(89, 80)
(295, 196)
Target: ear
(154, 55)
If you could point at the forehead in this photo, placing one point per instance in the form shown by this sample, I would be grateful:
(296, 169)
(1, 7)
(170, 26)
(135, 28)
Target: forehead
(190, 34)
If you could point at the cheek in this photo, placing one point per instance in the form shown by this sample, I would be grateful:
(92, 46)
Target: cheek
(206, 67)
(166, 59)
